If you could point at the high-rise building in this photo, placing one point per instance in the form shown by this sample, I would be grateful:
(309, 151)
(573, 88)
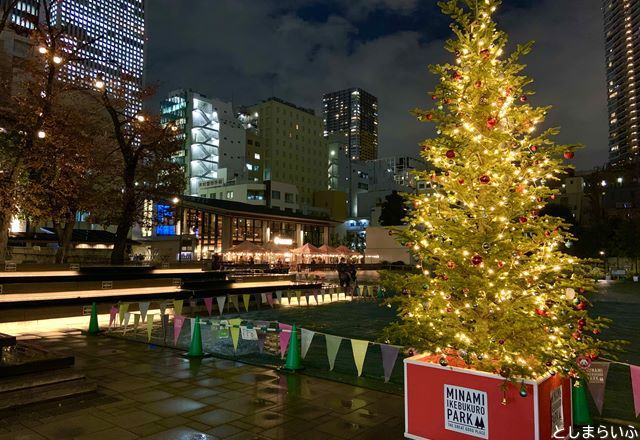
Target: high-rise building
(108, 39)
(25, 14)
(292, 147)
(622, 45)
(352, 114)
(214, 139)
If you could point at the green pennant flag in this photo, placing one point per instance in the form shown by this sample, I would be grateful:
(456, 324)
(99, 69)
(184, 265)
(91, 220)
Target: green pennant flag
(359, 349)
(235, 331)
(333, 344)
(245, 299)
(298, 296)
(124, 308)
(149, 326)
(136, 322)
(177, 306)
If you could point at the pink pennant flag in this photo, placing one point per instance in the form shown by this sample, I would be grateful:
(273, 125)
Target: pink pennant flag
(113, 312)
(208, 303)
(178, 321)
(635, 385)
(285, 335)
(270, 298)
(597, 381)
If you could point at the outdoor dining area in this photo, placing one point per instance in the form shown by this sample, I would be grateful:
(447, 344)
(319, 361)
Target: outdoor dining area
(275, 254)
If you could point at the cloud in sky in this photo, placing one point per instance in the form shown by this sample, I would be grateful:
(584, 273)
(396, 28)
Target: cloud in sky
(247, 50)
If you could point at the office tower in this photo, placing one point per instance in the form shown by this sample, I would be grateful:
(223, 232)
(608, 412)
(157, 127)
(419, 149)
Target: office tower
(24, 15)
(292, 148)
(214, 139)
(622, 45)
(108, 36)
(352, 114)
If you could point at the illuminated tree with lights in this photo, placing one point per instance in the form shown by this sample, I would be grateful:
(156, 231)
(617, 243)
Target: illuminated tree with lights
(496, 290)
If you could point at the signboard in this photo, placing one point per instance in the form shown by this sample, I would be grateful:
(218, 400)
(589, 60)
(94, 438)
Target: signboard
(557, 416)
(249, 334)
(107, 284)
(465, 411)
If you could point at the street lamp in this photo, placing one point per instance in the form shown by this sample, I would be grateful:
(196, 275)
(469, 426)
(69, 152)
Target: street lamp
(140, 118)
(57, 59)
(41, 134)
(43, 50)
(99, 84)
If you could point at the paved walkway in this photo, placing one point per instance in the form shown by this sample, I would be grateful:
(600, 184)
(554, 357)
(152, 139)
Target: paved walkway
(153, 393)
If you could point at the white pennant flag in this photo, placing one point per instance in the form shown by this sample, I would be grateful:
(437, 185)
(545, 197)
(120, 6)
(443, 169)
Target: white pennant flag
(306, 337)
(221, 300)
(279, 296)
(144, 308)
(127, 316)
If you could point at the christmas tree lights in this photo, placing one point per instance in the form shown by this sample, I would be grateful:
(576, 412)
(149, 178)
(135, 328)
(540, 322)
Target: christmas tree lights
(496, 290)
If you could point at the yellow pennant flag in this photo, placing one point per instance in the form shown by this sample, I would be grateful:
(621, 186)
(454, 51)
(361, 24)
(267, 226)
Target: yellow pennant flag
(136, 322)
(245, 299)
(149, 326)
(235, 331)
(124, 308)
(359, 349)
(177, 306)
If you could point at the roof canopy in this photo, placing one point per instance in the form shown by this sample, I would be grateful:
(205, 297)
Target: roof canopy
(247, 247)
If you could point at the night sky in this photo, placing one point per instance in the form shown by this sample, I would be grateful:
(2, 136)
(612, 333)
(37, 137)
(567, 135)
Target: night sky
(249, 50)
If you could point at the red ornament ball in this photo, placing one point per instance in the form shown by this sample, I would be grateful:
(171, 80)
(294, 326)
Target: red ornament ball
(434, 97)
(541, 312)
(569, 154)
(523, 98)
(500, 264)
(533, 148)
(476, 260)
(492, 122)
(451, 154)
(457, 75)
(451, 265)
(478, 84)
(485, 179)
(460, 181)
(522, 219)
(429, 116)
(485, 53)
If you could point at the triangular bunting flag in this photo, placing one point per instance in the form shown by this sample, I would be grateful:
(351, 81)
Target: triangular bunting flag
(359, 349)
(245, 299)
(165, 325)
(635, 385)
(150, 326)
(113, 312)
(389, 357)
(136, 322)
(270, 298)
(306, 336)
(261, 337)
(144, 308)
(285, 335)
(306, 296)
(178, 321)
(279, 296)
(596, 381)
(333, 344)
(315, 295)
(264, 298)
(124, 308)
(221, 300)
(233, 300)
(208, 303)
(163, 308)
(298, 296)
(357, 291)
(365, 291)
(235, 331)
(177, 306)
(257, 297)
(127, 316)
(289, 297)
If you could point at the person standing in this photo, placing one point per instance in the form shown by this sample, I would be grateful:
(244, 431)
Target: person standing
(343, 274)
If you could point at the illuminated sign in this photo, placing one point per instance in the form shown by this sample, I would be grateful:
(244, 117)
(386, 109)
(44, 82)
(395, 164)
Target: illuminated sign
(284, 241)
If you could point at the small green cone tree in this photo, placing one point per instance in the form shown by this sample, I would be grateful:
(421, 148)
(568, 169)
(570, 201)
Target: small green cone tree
(496, 290)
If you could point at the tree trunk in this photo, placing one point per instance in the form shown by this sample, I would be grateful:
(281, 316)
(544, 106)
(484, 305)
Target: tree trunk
(65, 233)
(5, 220)
(127, 217)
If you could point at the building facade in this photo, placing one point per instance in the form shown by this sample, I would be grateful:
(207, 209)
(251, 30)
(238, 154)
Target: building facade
(622, 45)
(278, 195)
(351, 116)
(292, 148)
(108, 40)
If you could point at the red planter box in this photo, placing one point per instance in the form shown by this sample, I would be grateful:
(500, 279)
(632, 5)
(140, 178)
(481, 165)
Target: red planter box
(452, 403)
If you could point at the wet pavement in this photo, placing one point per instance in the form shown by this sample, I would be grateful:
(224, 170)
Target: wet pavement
(153, 393)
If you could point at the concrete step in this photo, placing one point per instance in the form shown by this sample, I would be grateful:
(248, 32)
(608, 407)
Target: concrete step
(34, 380)
(46, 392)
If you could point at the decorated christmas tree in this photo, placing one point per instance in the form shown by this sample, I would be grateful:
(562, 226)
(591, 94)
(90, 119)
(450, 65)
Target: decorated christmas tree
(497, 292)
